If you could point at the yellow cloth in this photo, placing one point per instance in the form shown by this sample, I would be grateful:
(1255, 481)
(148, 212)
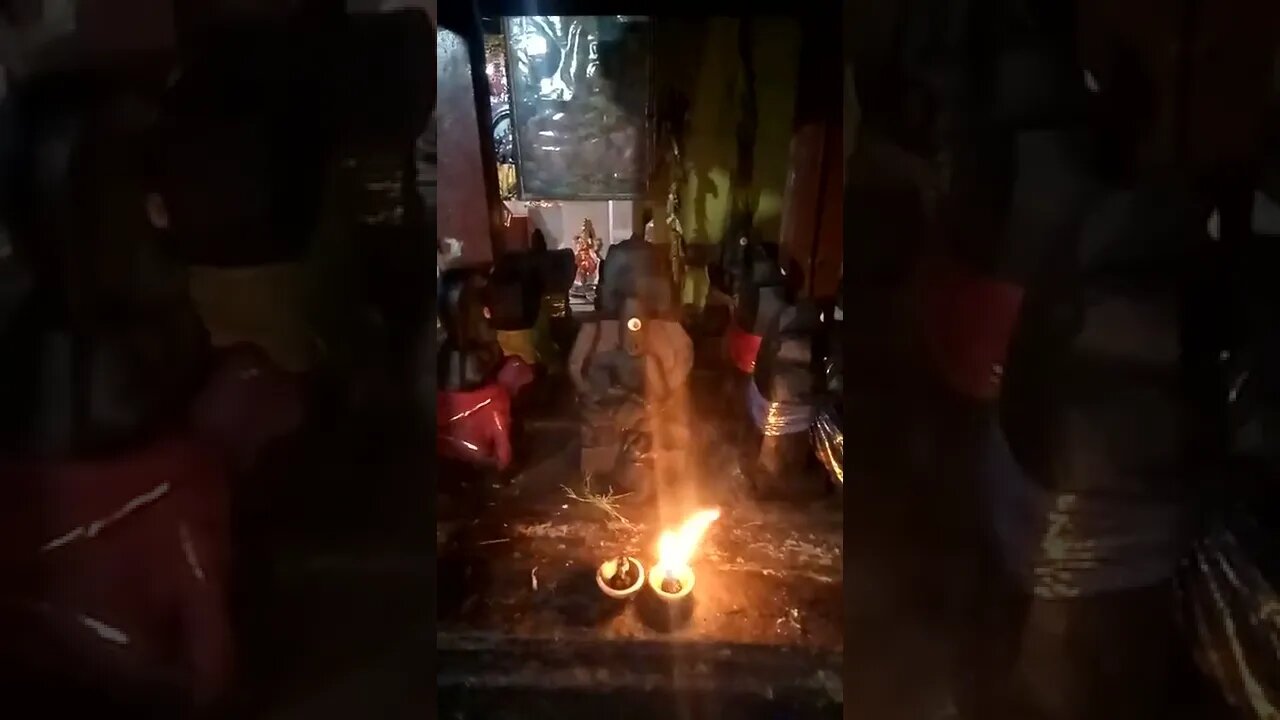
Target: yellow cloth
(520, 343)
(507, 180)
(262, 305)
(695, 287)
(708, 195)
(533, 345)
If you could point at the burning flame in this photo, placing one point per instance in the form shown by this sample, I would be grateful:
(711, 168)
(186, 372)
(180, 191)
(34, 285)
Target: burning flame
(676, 547)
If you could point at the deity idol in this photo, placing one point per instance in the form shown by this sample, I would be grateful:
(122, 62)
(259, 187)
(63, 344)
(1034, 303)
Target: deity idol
(586, 255)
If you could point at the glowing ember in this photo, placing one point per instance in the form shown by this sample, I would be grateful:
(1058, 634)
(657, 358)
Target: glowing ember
(676, 547)
(671, 584)
(624, 575)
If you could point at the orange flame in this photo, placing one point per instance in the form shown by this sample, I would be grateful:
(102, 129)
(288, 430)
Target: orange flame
(676, 547)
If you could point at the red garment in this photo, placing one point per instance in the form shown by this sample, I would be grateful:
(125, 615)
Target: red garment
(515, 375)
(743, 348)
(968, 323)
(475, 426)
(247, 403)
(114, 570)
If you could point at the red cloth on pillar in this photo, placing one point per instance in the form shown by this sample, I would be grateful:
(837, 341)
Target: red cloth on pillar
(968, 323)
(114, 570)
(515, 375)
(475, 426)
(743, 347)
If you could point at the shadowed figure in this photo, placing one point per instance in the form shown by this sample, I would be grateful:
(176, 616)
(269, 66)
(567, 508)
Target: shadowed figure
(629, 368)
(475, 382)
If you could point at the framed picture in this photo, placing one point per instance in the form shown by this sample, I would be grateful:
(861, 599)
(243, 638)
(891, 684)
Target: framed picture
(580, 91)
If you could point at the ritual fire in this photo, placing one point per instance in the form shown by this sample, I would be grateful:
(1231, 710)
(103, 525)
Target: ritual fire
(672, 577)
